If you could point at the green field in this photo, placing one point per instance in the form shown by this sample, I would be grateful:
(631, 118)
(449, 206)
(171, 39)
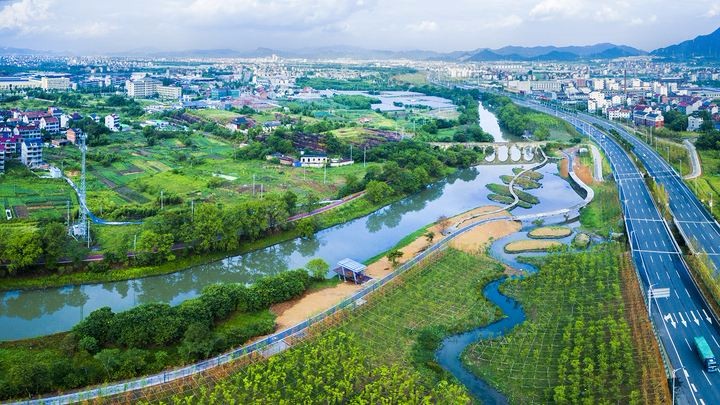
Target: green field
(34, 198)
(707, 186)
(576, 344)
(397, 329)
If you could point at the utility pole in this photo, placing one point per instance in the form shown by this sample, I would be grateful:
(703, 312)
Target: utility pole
(351, 155)
(364, 155)
(253, 184)
(162, 203)
(325, 173)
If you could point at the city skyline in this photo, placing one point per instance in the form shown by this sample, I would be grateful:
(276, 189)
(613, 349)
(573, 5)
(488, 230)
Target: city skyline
(172, 25)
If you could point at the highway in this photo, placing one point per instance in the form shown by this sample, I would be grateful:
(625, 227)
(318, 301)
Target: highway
(699, 229)
(684, 314)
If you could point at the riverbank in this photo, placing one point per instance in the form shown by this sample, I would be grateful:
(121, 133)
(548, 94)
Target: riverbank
(293, 312)
(354, 209)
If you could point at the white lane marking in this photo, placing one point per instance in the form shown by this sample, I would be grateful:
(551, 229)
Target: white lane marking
(716, 342)
(686, 292)
(701, 401)
(676, 294)
(688, 343)
(693, 387)
(706, 377)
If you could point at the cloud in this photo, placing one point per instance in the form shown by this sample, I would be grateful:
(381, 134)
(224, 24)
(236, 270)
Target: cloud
(92, 30)
(551, 9)
(512, 20)
(289, 14)
(424, 26)
(714, 11)
(24, 15)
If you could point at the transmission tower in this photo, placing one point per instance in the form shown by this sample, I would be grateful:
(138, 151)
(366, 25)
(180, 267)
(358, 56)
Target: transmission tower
(81, 228)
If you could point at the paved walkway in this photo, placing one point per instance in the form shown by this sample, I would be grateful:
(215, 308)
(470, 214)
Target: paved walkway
(694, 160)
(597, 162)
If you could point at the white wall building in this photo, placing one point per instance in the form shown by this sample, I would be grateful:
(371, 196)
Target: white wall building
(54, 83)
(694, 123)
(31, 152)
(112, 121)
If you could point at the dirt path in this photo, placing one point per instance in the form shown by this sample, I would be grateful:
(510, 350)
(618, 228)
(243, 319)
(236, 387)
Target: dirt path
(295, 311)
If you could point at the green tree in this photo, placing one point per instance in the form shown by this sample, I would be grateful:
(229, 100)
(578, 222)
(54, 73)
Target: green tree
(23, 248)
(53, 239)
(429, 236)
(378, 191)
(318, 268)
(394, 256)
(154, 248)
(207, 224)
(306, 227)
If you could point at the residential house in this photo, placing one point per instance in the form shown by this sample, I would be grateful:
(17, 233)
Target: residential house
(73, 134)
(112, 121)
(31, 152)
(694, 123)
(50, 124)
(616, 113)
(313, 159)
(27, 131)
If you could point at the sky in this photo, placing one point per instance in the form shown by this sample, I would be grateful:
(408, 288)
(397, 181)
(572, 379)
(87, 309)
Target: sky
(98, 26)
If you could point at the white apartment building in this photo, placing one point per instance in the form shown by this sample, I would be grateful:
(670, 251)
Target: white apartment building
(169, 92)
(54, 83)
(147, 87)
(31, 152)
(141, 88)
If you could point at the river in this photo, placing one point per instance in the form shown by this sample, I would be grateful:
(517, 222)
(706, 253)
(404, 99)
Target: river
(489, 123)
(25, 314)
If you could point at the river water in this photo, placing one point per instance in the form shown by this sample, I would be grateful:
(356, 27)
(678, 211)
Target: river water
(32, 313)
(25, 314)
(489, 123)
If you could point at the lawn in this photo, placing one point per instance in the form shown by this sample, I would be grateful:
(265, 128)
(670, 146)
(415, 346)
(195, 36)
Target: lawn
(707, 186)
(603, 215)
(214, 115)
(578, 343)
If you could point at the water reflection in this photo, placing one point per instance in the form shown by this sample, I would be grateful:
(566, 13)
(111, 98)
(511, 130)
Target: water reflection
(38, 312)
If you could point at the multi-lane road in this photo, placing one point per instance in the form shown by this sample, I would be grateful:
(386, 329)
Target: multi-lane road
(699, 229)
(684, 314)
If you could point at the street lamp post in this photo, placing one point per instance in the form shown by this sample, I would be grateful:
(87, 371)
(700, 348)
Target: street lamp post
(673, 383)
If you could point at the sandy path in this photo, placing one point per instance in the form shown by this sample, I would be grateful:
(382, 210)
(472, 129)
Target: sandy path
(475, 240)
(293, 312)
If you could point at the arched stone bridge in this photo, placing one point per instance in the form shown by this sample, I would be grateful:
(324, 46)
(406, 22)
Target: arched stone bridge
(502, 152)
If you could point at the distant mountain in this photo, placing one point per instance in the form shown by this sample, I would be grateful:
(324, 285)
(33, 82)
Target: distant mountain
(703, 46)
(507, 53)
(554, 53)
(6, 51)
